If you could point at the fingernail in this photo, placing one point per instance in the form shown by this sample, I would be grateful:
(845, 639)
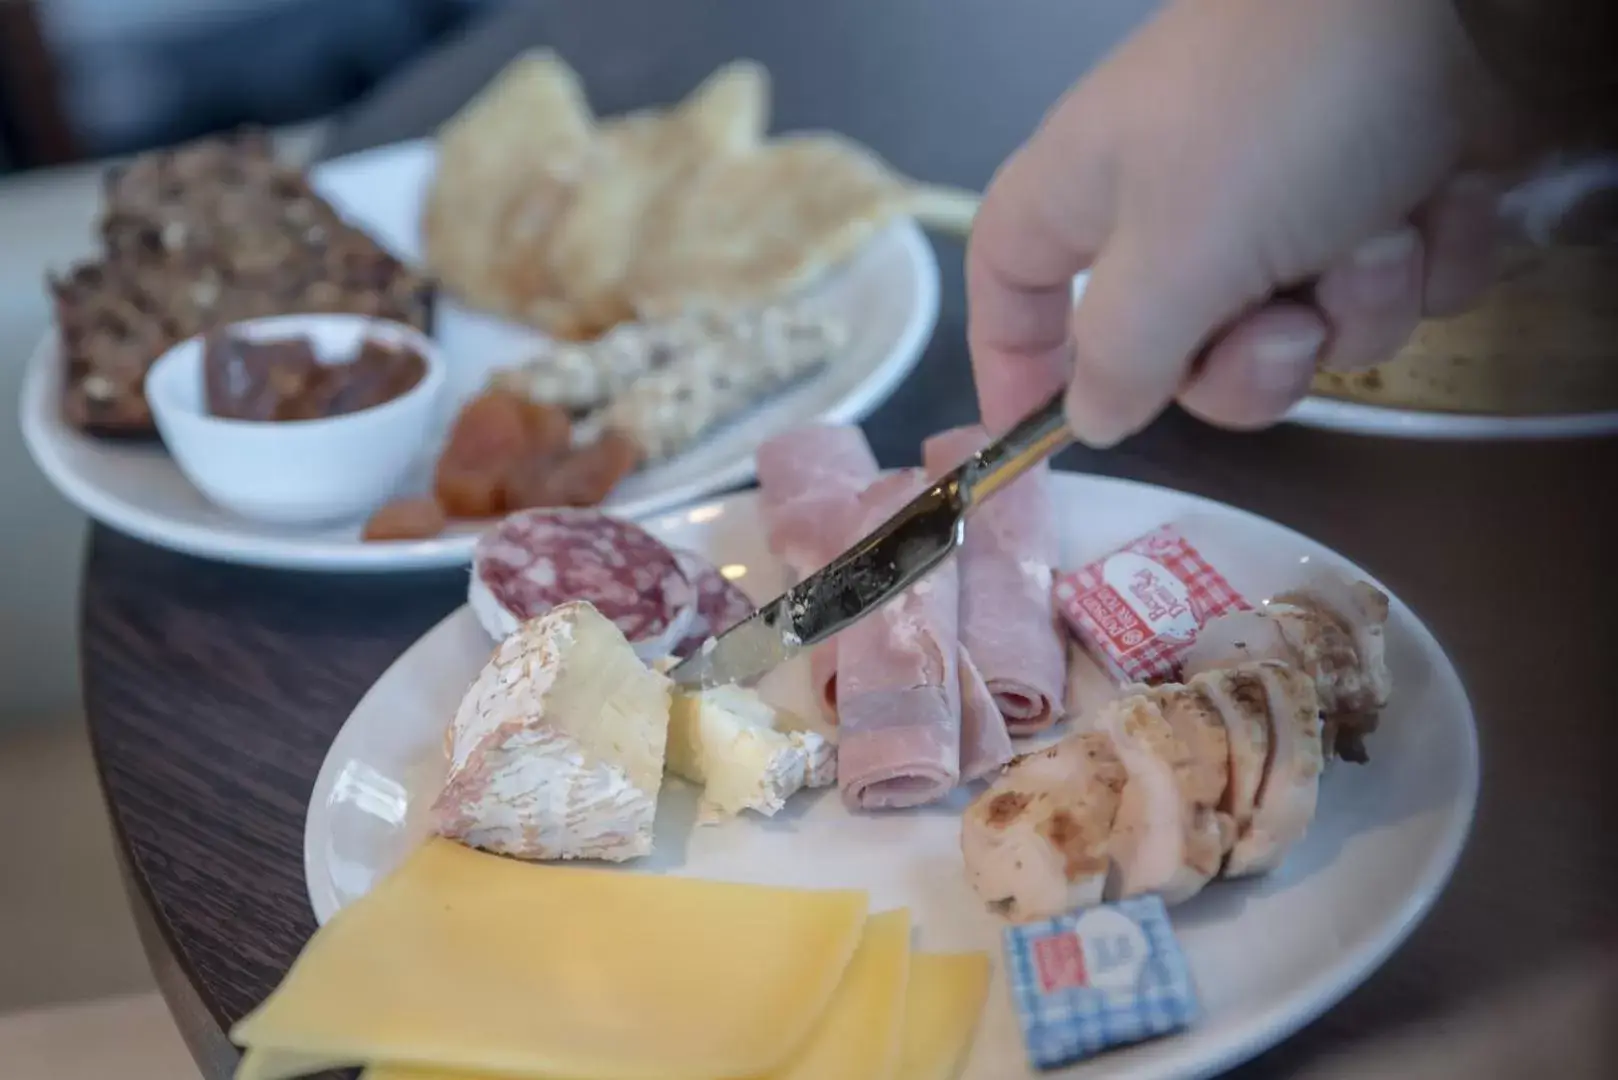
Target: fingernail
(1284, 360)
(1385, 250)
(1382, 270)
(1094, 424)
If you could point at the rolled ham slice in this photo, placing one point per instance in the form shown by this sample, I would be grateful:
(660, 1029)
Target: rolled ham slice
(898, 682)
(985, 744)
(1008, 617)
(810, 480)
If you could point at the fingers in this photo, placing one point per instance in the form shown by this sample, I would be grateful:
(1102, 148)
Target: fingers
(1364, 309)
(1037, 227)
(1372, 299)
(1158, 289)
(1259, 368)
(1460, 230)
(1154, 297)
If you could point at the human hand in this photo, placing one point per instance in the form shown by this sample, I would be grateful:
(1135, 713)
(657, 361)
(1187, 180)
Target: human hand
(1256, 188)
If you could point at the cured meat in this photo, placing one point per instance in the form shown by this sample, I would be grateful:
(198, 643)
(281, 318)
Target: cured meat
(534, 560)
(1008, 614)
(985, 745)
(898, 688)
(810, 480)
(1036, 842)
(720, 603)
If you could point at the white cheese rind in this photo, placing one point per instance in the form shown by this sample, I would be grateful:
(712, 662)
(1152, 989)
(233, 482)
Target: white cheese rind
(730, 741)
(556, 752)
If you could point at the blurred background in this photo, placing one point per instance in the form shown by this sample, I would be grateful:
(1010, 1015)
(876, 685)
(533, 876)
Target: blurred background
(91, 78)
(83, 81)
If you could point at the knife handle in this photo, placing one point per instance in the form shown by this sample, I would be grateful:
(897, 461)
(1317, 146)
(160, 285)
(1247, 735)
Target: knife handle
(1030, 441)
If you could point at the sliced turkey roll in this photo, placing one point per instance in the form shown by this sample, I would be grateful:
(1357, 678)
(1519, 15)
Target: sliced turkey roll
(1286, 799)
(1349, 677)
(1035, 842)
(1172, 786)
(1244, 706)
(1161, 843)
(1204, 779)
(1332, 630)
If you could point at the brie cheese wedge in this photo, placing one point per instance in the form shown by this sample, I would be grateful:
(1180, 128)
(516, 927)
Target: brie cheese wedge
(738, 748)
(557, 750)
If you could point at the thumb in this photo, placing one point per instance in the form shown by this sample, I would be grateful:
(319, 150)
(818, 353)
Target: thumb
(1147, 310)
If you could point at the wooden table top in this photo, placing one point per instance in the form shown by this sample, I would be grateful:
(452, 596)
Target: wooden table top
(213, 691)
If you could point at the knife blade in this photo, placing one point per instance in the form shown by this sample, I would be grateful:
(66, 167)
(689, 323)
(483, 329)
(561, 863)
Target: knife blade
(878, 567)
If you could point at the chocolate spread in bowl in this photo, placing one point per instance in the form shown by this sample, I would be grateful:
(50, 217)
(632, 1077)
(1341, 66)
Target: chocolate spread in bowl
(283, 378)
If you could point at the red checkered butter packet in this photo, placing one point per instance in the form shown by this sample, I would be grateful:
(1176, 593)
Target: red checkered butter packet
(1137, 608)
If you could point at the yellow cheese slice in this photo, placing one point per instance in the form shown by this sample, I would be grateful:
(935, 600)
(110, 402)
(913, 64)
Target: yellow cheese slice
(858, 1037)
(942, 1006)
(259, 1063)
(470, 961)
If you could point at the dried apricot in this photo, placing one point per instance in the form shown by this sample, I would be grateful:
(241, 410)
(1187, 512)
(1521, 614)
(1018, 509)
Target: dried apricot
(587, 476)
(549, 428)
(490, 434)
(532, 483)
(419, 518)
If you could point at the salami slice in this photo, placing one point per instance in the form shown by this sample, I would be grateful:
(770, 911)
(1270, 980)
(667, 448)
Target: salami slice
(720, 602)
(537, 559)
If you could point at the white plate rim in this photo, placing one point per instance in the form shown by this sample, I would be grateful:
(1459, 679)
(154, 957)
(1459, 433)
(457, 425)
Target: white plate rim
(41, 424)
(1238, 1041)
(1358, 418)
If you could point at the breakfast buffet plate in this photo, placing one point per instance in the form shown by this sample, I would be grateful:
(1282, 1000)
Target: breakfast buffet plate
(887, 294)
(1266, 954)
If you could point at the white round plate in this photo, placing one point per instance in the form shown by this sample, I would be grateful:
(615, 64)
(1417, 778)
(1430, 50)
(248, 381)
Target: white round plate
(1267, 955)
(888, 294)
(1357, 418)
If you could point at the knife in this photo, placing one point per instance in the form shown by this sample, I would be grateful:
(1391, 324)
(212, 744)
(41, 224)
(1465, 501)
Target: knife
(877, 568)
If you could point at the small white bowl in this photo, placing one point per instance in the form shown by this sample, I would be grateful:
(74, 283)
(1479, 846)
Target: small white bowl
(297, 472)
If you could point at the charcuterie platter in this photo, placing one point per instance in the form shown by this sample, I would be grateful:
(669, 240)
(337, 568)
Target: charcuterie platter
(1121, 719)
(623, 308)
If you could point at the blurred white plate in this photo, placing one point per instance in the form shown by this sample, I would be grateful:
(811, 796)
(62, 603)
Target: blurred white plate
(1331, 414)
(1267, 955)
(888, 293)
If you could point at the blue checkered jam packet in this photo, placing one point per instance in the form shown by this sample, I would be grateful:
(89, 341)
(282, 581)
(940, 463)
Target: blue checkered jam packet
(1097, 979)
